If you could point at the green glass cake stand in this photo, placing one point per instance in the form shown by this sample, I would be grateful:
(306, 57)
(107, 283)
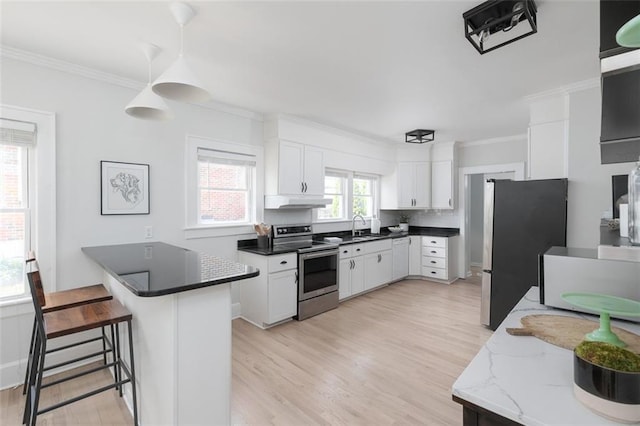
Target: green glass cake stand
(605, 306)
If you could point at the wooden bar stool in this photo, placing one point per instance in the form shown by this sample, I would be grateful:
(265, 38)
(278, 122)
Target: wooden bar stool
(58, 300)
(50, 325)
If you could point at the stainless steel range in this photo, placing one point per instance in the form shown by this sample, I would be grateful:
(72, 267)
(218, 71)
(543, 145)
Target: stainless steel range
(317, 268)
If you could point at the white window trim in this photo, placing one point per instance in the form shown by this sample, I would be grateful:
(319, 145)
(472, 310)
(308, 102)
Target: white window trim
(346, 191)
(349, 197)
(376, 193)
(43, 175)
(192, 229)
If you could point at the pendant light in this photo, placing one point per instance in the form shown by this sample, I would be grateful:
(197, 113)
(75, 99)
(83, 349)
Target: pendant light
(147, 105)
(629, 34)
(178, 82)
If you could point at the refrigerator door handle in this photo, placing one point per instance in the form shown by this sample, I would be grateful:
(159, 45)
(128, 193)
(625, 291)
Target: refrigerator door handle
(485, 299)
(489, 190)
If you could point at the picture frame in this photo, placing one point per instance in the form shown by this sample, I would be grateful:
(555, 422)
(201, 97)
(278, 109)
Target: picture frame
(124, 188)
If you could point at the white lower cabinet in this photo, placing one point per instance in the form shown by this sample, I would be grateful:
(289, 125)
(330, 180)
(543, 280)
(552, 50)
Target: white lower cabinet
(272, 296)
(415, 255)
(439, 258)
(377, 269)
(351, 279)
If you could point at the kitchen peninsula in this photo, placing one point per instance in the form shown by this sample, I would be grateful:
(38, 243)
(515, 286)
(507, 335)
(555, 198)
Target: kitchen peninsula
(524, 380)
(181, 305)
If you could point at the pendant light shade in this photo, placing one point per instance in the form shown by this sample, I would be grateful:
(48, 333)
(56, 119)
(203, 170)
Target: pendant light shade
(178, 82)
(147, 105)
(629, 34)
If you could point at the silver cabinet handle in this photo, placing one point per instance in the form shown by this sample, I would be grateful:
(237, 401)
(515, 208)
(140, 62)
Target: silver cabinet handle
(284, 262)
(301, 186)
(379, 258)
(345, 251)
(449, 202)
(357, 249)
(433, 261)
(433, 272)
(353, 264)
(433, 251)
(296, 277)
(433, 242)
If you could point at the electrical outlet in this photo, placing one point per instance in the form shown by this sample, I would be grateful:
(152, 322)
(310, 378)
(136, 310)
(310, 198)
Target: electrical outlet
(148, 231)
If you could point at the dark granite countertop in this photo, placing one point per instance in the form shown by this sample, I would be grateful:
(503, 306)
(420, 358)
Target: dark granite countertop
(156, 269)
(251, 246)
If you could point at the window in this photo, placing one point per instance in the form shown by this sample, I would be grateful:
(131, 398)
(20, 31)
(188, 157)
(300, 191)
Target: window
(335, 186)
(351, 193)
(226, 182)
(17, 141)
(224, 195)
(364, 190)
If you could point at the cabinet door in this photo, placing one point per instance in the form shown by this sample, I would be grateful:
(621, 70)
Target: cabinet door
(547, 148)
(415, 255)
(406, 184)
(313, 176)
(290, 176)
(442, 185)
(613, 15)
(377, 269)
(344, 278)
(283, 296)
(357, 275)
(422, 184)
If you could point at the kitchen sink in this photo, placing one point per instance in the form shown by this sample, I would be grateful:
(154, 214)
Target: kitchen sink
(365, 238)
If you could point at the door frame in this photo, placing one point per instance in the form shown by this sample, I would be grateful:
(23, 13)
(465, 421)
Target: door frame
(464, 269)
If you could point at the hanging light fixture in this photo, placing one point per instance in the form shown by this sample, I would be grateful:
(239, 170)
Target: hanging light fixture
(178, 82)
(147, 105)
(629, 34)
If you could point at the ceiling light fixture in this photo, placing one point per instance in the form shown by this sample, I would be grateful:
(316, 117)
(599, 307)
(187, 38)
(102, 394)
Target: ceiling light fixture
(629, 34)
(178, 82)
(496, 23)
(147, 105)
(419, 136)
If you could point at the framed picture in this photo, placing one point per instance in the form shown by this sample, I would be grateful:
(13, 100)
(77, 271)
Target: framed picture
(124, 188)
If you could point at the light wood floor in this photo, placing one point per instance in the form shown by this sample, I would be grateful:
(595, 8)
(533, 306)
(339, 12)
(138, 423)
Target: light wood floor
(388, 357)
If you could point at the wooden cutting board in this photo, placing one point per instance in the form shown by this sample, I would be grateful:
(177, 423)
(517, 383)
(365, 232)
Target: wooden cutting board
(567, 332)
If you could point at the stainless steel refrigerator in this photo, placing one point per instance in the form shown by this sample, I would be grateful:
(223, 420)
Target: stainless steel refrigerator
(522, 219)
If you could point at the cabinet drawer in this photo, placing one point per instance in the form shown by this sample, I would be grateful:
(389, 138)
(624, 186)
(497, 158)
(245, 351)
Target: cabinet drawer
(440, 274)
(434, 241)
(434, 262)
(283, 262)
(346, 251)
(434, 252)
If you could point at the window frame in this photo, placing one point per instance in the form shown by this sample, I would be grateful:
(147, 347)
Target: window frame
(42, 197)
(193, 229)
(350, 175)
(344, 175)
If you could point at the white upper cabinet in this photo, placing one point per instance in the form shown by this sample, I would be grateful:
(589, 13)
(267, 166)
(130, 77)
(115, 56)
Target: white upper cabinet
(294, 169)
(409, 187)
(442, 185)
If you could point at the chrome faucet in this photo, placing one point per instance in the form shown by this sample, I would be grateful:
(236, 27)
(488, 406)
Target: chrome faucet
(353, 224)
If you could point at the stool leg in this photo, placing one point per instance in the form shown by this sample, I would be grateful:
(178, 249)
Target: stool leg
(116, 372)
(30, 357)
(33, 404)
(104, 347)
(133, 375)
(118, 364)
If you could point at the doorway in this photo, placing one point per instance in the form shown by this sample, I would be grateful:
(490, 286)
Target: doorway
(471, 199)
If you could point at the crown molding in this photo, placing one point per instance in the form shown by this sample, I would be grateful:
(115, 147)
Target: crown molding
(565, 90)
(491, 141)
(71, 68)
(335, 129)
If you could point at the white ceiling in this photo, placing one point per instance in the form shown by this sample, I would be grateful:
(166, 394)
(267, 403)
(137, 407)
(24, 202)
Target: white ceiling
(376, 68)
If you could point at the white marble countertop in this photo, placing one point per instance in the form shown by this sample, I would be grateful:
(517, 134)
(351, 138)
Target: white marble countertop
(526, 379)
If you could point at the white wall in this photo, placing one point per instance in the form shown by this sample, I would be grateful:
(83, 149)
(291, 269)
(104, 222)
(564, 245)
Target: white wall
(92, 126)
(476, 218)
(589, 181)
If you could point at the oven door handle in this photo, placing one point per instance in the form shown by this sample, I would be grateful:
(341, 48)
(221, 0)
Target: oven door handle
(320, 253)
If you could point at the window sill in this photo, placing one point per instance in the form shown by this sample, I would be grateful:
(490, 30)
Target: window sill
(194, 232)
(16, 307)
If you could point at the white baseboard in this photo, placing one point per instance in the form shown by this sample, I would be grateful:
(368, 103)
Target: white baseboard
(235, 310)
(12, 373)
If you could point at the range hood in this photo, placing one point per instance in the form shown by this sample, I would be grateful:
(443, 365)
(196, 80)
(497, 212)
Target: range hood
(294, 202)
